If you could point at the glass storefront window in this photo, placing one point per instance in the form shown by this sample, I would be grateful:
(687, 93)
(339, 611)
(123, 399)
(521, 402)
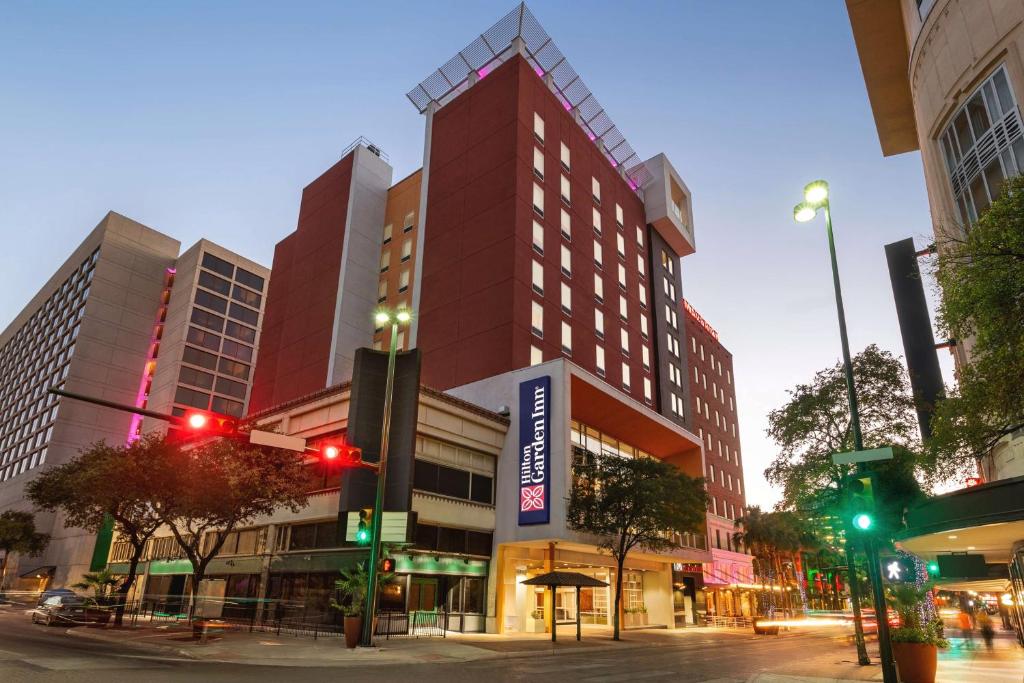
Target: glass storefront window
(594, 441)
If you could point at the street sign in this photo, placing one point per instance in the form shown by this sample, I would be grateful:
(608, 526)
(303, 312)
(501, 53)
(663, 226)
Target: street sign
(862, 456)
(394, 527)
(259, 437)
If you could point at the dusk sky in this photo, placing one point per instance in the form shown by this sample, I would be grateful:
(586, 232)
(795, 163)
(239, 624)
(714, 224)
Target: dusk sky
(207, 119)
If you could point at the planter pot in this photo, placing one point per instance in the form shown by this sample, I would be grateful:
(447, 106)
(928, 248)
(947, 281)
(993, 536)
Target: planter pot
(764, 630)
(916, 662)
(353, 629)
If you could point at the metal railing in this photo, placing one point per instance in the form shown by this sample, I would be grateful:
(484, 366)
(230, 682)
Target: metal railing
(727, 621)
(411, 624)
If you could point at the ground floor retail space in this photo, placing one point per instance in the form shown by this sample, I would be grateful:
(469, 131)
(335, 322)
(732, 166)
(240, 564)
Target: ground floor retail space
(653, 595)
(300, 588)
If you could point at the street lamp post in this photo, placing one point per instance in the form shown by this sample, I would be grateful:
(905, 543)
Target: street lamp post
(816, 196)
(396, 318)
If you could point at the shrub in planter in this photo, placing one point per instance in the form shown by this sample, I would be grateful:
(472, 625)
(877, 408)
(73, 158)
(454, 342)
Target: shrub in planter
(915, 643)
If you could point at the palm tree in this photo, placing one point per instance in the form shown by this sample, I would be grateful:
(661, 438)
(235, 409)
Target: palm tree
(101, 583)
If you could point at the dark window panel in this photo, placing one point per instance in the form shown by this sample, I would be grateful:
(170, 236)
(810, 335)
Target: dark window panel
(453, 482)
(200, 358)
(195, 377)
(250, 280)
(246, 315)
(218, 265)
(211, 301)
(230, 387)
(479, 543)
(482, 490)
(207, 320)
(226, 406)
(203, 338)
(191, 397)
(303, 537)
(426, 536)
(246, 334)
(451, 540)
(233, 368)
(211, 281)
(236, 350)
(246, 297)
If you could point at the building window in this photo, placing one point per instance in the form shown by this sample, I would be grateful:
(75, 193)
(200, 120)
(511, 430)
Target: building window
(599, 359)
(598, 287)
(566, 224)
(218, 265)
(599, 323)
(538, 277)
(538, 237)
(643, 326)
(624, 340)
(403, 281)
(625, 376)
(983, 145)
(623, 308)
(406, 250)
(640, 265)
(382, 291)
(566, 338)
(538, 199)
(618, 216)
(536, 356)
(538, 162)
(564, 151)
(645, 357)
(537, 320)
(385, 260)
(409, 222)
(639, 237)
(387, 233)
(566, 261)
(566, 299)
(642, 293)
(597, 221)
(620, 245)
(647, 388)
(211, 281)
(622, 276)
(563, 190)
(538, 128)
(598, 257)
(595, 189)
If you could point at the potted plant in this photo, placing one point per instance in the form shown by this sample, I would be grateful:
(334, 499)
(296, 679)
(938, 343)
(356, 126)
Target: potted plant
(352, 587)
(916, 643)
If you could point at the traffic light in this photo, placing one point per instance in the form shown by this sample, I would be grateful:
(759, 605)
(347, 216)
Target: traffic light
(387, 565)
(933, 568)
(365, 526)
(860, 491)
(202, 423)
(341, 454)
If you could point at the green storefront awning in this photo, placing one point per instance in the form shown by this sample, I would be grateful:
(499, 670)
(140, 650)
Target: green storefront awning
(438, 564)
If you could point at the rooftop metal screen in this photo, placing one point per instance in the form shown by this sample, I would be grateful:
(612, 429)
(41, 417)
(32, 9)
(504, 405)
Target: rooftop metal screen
(495, 46)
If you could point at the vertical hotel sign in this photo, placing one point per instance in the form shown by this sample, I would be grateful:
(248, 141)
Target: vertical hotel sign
(535, 451)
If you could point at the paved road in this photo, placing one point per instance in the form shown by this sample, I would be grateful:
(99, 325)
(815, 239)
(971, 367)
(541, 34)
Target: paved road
(36, 653)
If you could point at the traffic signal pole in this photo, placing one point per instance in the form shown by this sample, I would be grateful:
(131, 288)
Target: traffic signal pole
(378, 508)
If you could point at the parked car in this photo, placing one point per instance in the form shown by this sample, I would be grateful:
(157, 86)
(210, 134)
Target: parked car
(61, 609)
(47, 594)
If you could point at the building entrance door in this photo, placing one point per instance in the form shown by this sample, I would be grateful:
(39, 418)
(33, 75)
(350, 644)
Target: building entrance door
(423, 595)
(565, 604)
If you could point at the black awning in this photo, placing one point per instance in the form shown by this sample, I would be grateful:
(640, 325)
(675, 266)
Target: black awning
(564, 579)
(39, 572)
(991, 503)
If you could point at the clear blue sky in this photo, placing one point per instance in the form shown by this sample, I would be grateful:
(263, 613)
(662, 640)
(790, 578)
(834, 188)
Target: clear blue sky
(206, 120)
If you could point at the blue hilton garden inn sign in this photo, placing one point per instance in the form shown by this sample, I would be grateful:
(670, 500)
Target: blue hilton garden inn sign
(535, 451)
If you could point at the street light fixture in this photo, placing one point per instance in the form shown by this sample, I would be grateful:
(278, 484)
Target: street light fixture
(397, 317)
(816, 197)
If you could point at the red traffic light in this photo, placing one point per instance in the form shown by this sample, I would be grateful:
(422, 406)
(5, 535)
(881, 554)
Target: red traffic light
(341, 454)
(387, 565)
(198, 423)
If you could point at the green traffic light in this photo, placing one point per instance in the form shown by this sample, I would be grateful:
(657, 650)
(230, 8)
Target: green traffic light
(362, 536)
(933, 567)
(863, 521)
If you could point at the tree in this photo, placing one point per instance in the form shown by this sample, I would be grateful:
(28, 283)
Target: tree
(771, 537)
(815, 423)
(982, 307)
(631, 503)
(101, 583)
(105, 483)
(208, 491)
(18, 535)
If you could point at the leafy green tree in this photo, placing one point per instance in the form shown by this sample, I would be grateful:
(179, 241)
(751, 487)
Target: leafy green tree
(815, 423)
(101, 583)
(772, 538)
(208, 491)
(18, 535)
(982, 307)
(108, 482)
(631, 503)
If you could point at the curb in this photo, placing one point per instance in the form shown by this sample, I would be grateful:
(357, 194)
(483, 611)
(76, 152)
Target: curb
(158, 647)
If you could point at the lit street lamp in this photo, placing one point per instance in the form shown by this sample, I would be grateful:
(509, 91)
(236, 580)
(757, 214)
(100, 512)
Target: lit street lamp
(816, 198)
(382, 317)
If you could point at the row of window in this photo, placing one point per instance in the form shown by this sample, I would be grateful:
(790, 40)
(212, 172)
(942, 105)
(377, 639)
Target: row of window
(406, 255)
(403, 286)
(453, 482)
(230, 271)
(725, 479)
